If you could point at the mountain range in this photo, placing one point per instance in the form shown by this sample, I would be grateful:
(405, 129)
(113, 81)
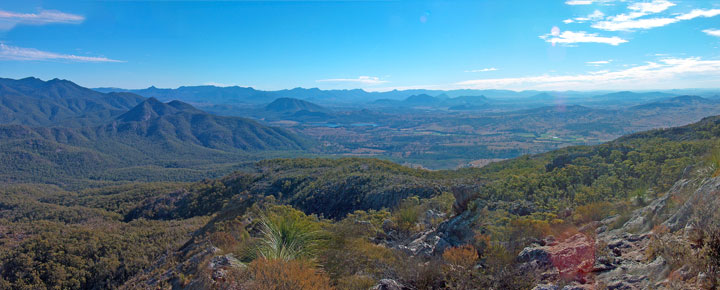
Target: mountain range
(31, 101)
(119, 191)
(62, 127)
(238, 96)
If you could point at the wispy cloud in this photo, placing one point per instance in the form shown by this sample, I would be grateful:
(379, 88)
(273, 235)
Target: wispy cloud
(365, 80)
(596, 15)
(481, 70)
(712, 32)
(655, 6)
(9, 19)
(8, 52)
(587, 2)
(634, 21)
(599, 62)
(614, 25)
(699, 13)
(572, 37)
(658, 74)
(640, 15)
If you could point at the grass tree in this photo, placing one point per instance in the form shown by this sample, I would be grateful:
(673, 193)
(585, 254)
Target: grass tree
(289, 235)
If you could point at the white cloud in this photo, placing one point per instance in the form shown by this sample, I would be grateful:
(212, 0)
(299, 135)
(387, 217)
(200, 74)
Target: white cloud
(665, 73)
(8, 19)
(571, 37)
(366, 80)
(655, 6)
(633, 20)
(587, 2)
(8, 52)
(599, 62)
(597, 15)
(481, 70)
(712, 32)
(613, 25)
(699, 13)
(630, 21)
(578, 2)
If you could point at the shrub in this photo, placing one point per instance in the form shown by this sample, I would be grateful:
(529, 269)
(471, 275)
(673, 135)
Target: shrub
(592, 212)
(501, 272)
(348, 256)
(674, 250)
(407, 215)
(464, 257)
(458, 271)
(223, 241)
(267, 274)
(714, 159)
(359, 282)
(711, 250)
(288, 235)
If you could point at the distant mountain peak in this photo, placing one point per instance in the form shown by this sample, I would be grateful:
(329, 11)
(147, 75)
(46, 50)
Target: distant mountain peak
(689, 98)
(151, 108)
(422, 99)
(678, 101)
(291, 105)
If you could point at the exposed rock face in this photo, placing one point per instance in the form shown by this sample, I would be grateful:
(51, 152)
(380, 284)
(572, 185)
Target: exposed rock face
(389, 284)
(453, 232)
(220, 264)
(705, 198)
(571, 259)
(555, 287)
(428, 244)
(618, 258)
(626, 266)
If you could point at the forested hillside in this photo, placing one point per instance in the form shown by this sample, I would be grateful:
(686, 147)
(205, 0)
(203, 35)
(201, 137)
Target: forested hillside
(356, 223)
(33, 102)
(58, 132)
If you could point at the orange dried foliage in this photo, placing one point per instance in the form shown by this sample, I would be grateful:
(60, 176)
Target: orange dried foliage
(279, 274)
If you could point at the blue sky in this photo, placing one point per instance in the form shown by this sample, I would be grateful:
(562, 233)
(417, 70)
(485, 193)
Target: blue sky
(374, 45)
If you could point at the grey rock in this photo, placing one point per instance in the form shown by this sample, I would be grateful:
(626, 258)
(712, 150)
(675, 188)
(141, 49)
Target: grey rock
(389, 284)
(546, 287)
(225, 261)
(388, 225)
(534, 254)
(427, 244)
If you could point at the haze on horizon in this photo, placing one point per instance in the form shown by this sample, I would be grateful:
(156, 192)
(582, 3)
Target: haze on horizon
(371, 45)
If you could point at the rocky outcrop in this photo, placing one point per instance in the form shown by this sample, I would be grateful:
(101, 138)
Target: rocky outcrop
(571, 259)
(700, 208)
(619, 258)
(453, 232)
(627, 264)
(219, 266)
(389, 284)
(427, 244)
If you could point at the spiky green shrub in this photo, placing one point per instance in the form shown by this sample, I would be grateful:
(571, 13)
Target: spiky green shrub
(288, 235)
(714, 159)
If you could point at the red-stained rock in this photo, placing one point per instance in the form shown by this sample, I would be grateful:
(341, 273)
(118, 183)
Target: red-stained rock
(573, 257)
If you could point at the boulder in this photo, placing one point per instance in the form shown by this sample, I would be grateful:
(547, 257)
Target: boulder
(573, 257)
(388, 284)
(427, 245)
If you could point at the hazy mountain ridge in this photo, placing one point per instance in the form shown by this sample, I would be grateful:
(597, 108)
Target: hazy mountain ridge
(290, 105)
(108, 137)
(247, 95)
(31, 101)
